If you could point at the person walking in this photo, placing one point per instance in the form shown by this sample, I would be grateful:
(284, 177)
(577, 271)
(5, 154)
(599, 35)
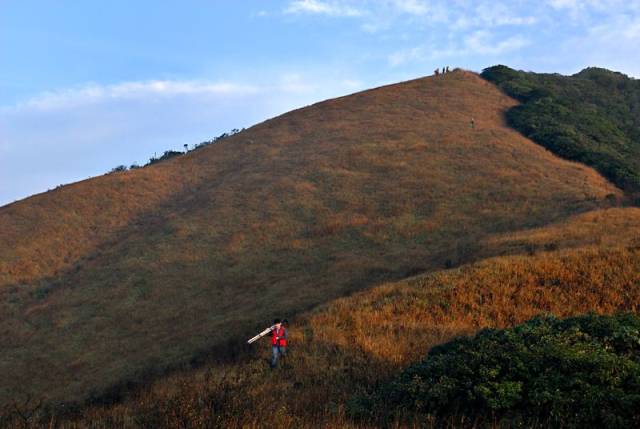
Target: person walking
(279, 336)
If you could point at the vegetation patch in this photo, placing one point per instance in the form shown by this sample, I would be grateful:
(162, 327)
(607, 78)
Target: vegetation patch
(577, 372)
(591, 117)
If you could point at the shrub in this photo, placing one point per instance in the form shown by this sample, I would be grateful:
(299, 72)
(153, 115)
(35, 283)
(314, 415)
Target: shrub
(118, 169)
(578, 372)
(168, 154)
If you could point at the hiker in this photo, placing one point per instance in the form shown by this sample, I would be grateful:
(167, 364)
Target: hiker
(279, 336)
(447, 70)
(436, 72)
(473, 123)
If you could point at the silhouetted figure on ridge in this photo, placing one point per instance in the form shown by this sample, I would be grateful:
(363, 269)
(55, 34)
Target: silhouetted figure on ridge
(436, 72)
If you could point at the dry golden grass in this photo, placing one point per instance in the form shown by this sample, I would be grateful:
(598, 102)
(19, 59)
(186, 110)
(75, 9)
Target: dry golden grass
(612, 227)
(125, 275)
(47, 233)
(351, 344)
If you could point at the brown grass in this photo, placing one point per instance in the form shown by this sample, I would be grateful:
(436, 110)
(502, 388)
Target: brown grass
(351, 344)
(600, 228)
(124, 275)
(47, 233)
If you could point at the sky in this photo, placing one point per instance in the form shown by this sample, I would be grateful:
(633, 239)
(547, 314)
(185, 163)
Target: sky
(88, 85)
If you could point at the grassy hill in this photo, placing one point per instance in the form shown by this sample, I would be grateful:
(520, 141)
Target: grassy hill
(592, 117)
(122, 276)
(353, 345)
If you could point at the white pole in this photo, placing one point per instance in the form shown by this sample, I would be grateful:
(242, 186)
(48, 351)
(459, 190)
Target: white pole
(261, 334)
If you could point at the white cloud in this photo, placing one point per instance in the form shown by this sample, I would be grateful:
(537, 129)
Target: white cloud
(592, 12)
(564, 4)
(417, 32)
(481, 42)
(490, 15)
(322, 8)
(414, 7)
(70, 98)
(612, 43)
(378, 13)
(599, 5)
(95, 93)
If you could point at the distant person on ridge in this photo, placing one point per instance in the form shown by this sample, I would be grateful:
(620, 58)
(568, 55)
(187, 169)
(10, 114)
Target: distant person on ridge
(279, 337)
(436, 72)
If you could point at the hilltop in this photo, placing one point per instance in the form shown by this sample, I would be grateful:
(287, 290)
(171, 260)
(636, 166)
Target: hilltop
(116, 278)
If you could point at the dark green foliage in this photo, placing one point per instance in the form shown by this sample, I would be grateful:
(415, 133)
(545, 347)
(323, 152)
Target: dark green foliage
(591, 117)
(168, 154)
(578, 372)
(118, 169)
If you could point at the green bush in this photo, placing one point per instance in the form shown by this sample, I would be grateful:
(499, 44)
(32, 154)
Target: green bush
(577, 372)
(118, 169)
(168, 154)
(591, 117)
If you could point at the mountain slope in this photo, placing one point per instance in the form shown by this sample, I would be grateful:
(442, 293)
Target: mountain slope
(197, 252)
(352, 345)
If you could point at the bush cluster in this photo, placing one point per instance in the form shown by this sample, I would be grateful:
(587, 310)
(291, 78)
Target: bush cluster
(577, 372)
(592, 117)
(168, 154)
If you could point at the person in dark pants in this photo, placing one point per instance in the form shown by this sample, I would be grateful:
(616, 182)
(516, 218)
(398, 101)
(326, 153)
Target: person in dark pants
(279, 337)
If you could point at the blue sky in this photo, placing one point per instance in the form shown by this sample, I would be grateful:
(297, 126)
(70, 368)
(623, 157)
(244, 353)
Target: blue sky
(88, 85)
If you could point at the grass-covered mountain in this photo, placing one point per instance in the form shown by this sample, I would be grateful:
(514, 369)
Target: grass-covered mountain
(345, 353)
(111, 280)
(591, 117)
